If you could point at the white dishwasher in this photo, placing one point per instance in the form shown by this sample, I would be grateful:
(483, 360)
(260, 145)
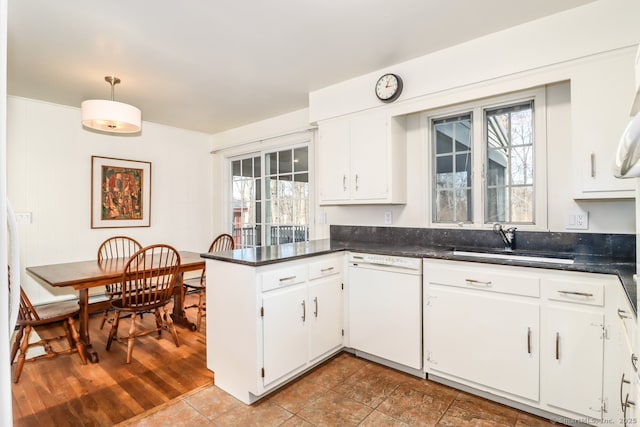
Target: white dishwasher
(385, 307)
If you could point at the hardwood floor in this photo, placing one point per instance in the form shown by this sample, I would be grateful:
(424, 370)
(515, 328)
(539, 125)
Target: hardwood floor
(63, 392)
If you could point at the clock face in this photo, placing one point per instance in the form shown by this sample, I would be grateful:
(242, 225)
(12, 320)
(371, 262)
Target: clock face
(389, 87)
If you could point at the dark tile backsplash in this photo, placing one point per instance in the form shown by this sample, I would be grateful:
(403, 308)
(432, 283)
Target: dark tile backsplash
(621, 246)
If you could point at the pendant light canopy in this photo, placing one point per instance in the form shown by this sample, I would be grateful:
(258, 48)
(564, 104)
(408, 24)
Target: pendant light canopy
(111, 116)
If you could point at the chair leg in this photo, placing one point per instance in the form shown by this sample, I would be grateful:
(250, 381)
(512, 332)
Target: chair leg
(24, 345)
(158, 321)
(171, 326)
(132, 337)
(201, 299)
(104, 319)
(114, 330)
(106, 314)
(76, 339)
(16, 343)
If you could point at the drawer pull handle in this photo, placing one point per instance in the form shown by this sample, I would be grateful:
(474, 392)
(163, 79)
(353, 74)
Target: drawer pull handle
(478, 282)
(622, 314)
(286, 279)
(357, 182)
(557, 345)
(529, 340)
(622, 383)
(580, 294)
(593, 165)
(315, 300)
(344, 182)
(304, 311)
(324, 270)
(625, 406)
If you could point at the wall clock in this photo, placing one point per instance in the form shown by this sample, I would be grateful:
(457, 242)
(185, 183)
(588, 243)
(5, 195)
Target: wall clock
(389, 87)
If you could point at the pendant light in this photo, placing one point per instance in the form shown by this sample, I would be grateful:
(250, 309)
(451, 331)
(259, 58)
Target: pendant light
(111, 116)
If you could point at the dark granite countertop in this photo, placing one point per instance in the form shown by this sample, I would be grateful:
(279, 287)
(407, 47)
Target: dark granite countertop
(255, 257)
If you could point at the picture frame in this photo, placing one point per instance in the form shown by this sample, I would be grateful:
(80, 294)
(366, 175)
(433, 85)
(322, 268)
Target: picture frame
(120, 193)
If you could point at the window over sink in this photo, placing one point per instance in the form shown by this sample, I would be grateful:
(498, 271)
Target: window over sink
(488, 161)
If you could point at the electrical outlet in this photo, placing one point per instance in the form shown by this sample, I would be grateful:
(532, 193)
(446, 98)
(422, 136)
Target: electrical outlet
(388, 217)
(577, 221)
(582, 221)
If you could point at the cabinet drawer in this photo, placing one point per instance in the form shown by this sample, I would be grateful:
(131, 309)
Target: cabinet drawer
(488, 278)
(325, 268)
(578, 292)
(284, 277)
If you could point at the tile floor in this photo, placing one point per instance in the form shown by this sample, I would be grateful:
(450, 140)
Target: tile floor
(346, 391)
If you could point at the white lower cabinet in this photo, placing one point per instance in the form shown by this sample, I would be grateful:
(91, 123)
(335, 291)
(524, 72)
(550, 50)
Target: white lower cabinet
(268, 324)
(301, 316)
(573, 344)
(621, 380)
(284, 326)
(325, 311)
(505, 330)
(477, 333)
(572, 363)
(484, 338)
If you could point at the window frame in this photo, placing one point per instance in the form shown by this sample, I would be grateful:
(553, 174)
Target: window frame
(261, 149)
(479, 148)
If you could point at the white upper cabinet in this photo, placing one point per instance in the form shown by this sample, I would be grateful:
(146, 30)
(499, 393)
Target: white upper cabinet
(601, 96)
(362, 159)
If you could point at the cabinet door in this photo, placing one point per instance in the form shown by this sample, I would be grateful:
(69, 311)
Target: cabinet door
(572, 362)
(599, 115)
(325, 315)
(489, 339)
(284, 331)
(333, 161)
(370, 157)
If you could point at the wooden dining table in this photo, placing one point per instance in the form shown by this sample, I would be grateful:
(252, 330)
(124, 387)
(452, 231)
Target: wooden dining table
(85, 275)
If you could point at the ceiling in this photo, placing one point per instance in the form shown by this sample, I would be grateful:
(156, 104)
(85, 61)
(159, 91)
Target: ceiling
(213, 65)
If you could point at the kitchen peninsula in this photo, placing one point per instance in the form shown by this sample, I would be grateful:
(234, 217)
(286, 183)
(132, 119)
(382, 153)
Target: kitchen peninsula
(275, 312)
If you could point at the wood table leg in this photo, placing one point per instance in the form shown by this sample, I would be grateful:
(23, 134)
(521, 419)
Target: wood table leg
(83, 296)
(178, 315)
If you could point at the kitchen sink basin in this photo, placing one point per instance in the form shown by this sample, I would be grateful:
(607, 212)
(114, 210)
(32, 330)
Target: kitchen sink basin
(514, 257)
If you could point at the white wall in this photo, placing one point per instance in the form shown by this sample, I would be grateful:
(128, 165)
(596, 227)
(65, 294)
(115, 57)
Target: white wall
(49, 175)
(543, 52)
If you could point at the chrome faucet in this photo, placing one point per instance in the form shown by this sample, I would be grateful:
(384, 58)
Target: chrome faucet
(508, 236)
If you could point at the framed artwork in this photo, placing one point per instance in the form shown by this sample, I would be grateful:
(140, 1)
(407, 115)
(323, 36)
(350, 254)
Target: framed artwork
(120, 193)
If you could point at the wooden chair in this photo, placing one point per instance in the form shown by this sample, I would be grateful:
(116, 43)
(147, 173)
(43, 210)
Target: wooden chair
(115, 247)
(148, 280)
(30, 318)
(198, 284)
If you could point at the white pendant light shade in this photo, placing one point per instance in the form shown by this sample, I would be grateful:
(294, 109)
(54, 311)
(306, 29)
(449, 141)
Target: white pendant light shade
(111, 116)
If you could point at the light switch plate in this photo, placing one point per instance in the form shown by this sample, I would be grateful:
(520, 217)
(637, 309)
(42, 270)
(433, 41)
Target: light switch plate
(23, 217)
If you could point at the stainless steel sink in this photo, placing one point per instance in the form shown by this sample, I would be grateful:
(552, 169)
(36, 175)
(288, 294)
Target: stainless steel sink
(513, 257)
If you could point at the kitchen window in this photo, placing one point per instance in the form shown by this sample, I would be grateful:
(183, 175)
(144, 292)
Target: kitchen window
(488, 162)
(270, 197)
